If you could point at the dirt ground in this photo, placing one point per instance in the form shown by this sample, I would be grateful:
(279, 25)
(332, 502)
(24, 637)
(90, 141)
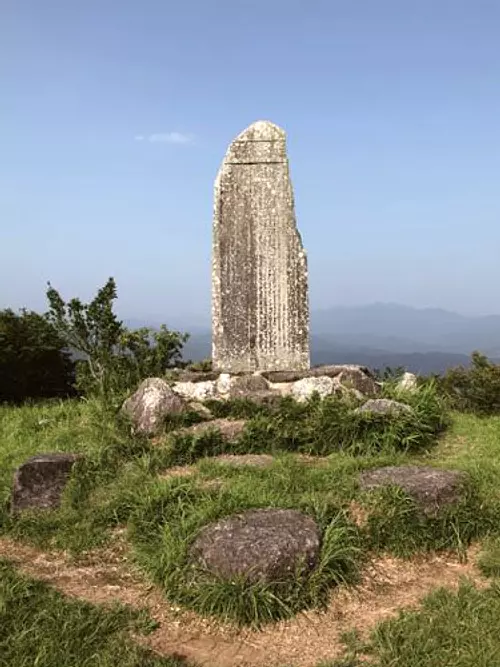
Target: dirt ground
(107, 576)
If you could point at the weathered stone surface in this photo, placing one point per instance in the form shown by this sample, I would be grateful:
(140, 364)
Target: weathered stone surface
(260, 308)
(359, 380)
(201, 409)
(305, 388)
(196, 376)
(385, 406)
(148, 407)
(332, 370)
(246, 385)
(431, 488)
(408, 382)
(196, 391)
(261, 545)
(230, 429)
(40, 482)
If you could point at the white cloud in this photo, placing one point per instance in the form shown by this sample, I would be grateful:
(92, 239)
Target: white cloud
(166, 138)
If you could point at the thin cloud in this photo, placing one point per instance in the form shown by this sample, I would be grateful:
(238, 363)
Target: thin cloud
(166, 138)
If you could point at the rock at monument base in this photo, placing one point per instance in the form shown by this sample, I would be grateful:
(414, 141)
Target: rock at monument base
(196, 391)
(244, 386)
(40, 482)
(149, 406)
(265, 545)
(303, 389)
(331, 371)
(408, 382)
(431, 488)
(385, 406)
(359, 380)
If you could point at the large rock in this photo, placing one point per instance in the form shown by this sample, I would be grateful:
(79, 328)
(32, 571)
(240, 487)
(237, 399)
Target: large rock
(303, 389)
(385, 406)
(260, 305)
(196, 391)
(260, 545)
(332, 371)
(408, 382)
(357, 379)
(229, 429)
(431, 488)
(151, 404)
(245, 386)
(40, 482)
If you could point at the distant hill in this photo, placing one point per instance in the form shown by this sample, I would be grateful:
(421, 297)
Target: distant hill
(399, 328)
(379, 335)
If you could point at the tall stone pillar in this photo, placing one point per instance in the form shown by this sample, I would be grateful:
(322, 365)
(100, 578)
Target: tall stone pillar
(260, 305)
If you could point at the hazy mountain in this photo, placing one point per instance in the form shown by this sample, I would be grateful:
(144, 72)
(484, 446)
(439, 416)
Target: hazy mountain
(379, 335)
(399, 328)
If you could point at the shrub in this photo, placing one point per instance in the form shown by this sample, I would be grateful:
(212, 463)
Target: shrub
(475, 389)
(34, 362)
(114, 358)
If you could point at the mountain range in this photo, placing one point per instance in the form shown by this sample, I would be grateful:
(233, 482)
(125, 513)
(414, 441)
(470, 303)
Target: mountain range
(424, 341)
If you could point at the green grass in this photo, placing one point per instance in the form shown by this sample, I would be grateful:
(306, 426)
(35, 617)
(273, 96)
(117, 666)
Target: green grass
(118, 484)
(450, 629)
(39, 626)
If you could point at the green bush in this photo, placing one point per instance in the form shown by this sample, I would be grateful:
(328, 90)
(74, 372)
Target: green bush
(475, 389)
(34, 361)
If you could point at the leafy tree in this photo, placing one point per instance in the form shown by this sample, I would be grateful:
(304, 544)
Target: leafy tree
(34, 361)
(115, 358)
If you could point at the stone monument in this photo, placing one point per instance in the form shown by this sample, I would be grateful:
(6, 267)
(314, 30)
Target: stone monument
(260, 304)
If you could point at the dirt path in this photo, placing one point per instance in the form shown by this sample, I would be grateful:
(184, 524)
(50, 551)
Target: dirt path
(108, 576)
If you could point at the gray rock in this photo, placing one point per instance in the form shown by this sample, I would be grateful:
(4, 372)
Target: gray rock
(40, 482)
(149, 406)
(359, 380)
(431, 488)
(230, 429)
(195, 391)
(260, 306)
(332, 371)
(245, 386)
(305, 388)
(408, 382)
(260, 545)
(385, 406)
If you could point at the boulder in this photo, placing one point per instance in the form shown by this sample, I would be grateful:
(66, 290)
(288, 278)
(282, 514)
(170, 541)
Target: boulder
(431, 488)
(357, 379)
(245, 386)
(264, 545)
(223, 384)
(201, 409)
(331, 371)
(40, 482)
(196, 391)
(305, 388)
(408, 382)
(385, 406)
(149, 406)
(230, 429)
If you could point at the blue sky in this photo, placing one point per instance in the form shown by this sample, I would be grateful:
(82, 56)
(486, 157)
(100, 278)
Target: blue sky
(392, 110)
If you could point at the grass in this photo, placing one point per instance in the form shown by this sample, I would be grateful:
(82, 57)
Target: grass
(450, 629)
(119, 483)
(39, 626)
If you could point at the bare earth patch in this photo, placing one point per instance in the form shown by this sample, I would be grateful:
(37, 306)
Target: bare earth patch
(108, 576)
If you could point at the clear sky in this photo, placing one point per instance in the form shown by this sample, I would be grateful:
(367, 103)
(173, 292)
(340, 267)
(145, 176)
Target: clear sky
(116, 114)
